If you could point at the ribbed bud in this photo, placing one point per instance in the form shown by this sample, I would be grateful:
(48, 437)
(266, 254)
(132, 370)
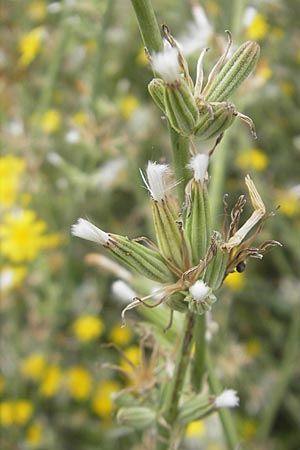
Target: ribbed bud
(195, 409)
(215, 272)
(233, 73)
(208, 127)
(197, 226)
(177, 302)
(137, 417)
(124, 398)
(181, 108)
(156, 89)
(143, 260)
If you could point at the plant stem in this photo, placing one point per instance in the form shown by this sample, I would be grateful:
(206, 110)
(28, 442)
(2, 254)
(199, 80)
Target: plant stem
(199, 366)
(148, 25)
(224, 413)
(287, 370)
(174, 390)
(181, 157)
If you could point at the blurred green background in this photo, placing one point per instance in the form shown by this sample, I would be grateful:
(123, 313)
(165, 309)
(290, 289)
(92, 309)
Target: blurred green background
(77, 124)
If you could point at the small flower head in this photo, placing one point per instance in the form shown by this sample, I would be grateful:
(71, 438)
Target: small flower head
(199, 291)
(166, 64)
(157, 180)
(228, 399)
(199, 166)
(86, 230)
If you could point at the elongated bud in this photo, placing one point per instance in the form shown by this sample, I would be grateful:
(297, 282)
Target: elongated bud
(215, 272)
(181, 108)
(201, 298)
(177, 302)
(136, 256)
(233, 73)
(136, 417)
(156, 89)
(195, 409)
(197, 227)
(208, 127)
(163, 212)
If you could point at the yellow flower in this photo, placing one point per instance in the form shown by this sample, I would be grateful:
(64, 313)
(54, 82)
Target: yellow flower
(34, 435)
(23, 411)
(258, 28)
(253, 347)
(249, 428)
(87, 328)
(11, 169)
(80, 118)
(6, 413)
(235, 281)
(253, 158)
(23, 236)
(79, 383)
(102, 403)
(289, 203)
(51, 121)
(37, 10)
(34, 366)
(30, 45)
(141, 57)
(134, 355)
(2, 384)
(128, 105)
(120, 336)
(196, 429)
(11, 277)
(51, 381)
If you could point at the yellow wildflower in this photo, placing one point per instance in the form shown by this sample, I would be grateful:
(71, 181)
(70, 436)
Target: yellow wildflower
(30, 45)
(51, 381)
(252, 158)
(258, 28)
(133, 353)
(120, 336)
(34, 435)
(37, 10)
(6, 413)
(141, 58)
(23, 411)
(79, 382)
(11, 169)
(289, 203)
(23, 236)
(196, 429)
(235, 281)
(80, 118)
(2, 384)
(253, 347)
(51, 121)
(249, 428)
(11, 277)
(87, 328)
(128, 105)
(102, 403)
(34, 366)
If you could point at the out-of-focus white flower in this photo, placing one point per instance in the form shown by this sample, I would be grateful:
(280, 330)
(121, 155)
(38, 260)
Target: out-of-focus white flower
(72, 136)
(198, 34)
(122, 291)
(54, 7)
(228, 399)
(249, 15)
(54, 158)
(165, 63)
(86, 230)
(15, 127)
(108, 173)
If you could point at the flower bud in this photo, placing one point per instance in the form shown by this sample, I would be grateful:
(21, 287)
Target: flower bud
(233, 73)
(195, 409)
(156, 89)
(137, 417)
(208, 127)
(177, 302)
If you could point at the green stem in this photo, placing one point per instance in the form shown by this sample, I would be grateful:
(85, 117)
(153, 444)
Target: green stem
(148, 25)
(181, 157)
(286, 372)
(199, 366)
(224, 413)
(238, 8)
(174, 389)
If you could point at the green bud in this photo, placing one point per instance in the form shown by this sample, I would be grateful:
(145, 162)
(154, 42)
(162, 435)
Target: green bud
(177, 302)
(156, 89)
(195, 409)
(137, 417)
(214, 275)
(181, 108)
(124, 399)
(143, 260)
(208, 127)
(233, 73)
(202, 306)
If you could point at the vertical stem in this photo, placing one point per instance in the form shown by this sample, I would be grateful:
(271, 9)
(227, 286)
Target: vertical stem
(199, 366)
(148, 25)
(224, 413)
(181, 156)
(174, 389)
(286, 372)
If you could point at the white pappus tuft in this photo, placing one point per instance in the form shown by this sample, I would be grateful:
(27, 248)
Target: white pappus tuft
(86, 230)
(199, 165)
(228, 399)
(165, 63)
(199, 291)
(156, 181)
(122, 291)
